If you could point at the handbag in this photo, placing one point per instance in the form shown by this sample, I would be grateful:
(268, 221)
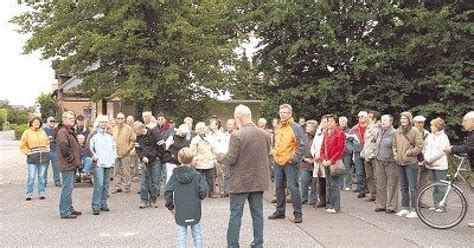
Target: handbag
(337, 168)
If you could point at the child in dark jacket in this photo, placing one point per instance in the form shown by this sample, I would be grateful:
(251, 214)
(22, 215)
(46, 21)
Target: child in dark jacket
(184, 192)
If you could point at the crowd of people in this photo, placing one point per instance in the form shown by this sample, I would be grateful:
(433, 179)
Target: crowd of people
(309, 161)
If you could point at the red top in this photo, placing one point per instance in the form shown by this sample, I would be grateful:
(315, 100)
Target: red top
(333, 145)
(360, 132)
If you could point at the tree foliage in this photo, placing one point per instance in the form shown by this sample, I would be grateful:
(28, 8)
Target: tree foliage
(342, 57)
(48, 107)
(157, 54)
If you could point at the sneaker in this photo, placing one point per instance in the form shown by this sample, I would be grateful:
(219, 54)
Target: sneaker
(402, 212)
(143, 205)
(471, 225)
(28, 198)
(331, 211)
(412, 215)
(117, 191)
(274, 200)
(58, 184)
(328, 210)
(361, 195)
(42, 197)
(347, 189)
(440, 210)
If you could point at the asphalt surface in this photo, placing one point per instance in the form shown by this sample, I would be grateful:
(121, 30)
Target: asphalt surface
(37, 223)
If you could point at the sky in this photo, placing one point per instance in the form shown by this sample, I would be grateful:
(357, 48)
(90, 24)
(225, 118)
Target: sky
(22, 77)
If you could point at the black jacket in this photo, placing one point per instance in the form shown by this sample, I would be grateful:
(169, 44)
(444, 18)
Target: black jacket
(150, 145)
(466, 148)
(171, 156)
(184, 192)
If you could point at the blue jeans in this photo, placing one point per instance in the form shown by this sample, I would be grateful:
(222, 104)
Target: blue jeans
(196, 232)
(306, 182)
(360, 172)
(86, 164)
(65, 199)
(53, 156)
(150, 182)
(438, 193)
(333, 190)
(347, 160)
(34, 170)
(407, 176)
(237, 202)
(101, 187)
(290, 174)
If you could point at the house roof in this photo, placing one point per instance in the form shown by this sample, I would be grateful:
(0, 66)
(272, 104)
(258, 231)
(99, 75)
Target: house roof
(75, 81)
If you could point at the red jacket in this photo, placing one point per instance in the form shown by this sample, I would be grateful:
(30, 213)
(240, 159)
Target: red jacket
(333, 145)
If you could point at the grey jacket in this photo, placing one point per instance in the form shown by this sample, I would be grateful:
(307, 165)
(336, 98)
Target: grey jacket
(384, 145)
(248, 160)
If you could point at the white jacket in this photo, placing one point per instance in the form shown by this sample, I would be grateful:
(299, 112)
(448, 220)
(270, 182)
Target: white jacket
(104, 148)
(434, 153)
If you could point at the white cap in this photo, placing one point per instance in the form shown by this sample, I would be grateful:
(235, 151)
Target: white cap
(419, 118)
(362, 114)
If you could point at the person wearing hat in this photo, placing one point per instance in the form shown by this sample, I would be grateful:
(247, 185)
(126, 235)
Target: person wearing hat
(50, 129)
(407, 145)
(423, 172)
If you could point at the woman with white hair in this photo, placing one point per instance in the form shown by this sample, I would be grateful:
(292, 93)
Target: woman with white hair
(103, 146)
(205, 155)
(174, 144)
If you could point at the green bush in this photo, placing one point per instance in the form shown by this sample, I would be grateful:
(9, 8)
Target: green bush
(19, 129)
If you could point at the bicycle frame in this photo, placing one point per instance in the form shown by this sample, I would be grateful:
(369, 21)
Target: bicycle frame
(451, 181)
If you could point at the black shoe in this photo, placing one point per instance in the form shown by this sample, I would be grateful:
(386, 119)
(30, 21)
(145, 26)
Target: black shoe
(274, 200)
(117, 191)
(275, 216)
(138, 192)
(42, 197)
(71, 216)
(105, 209)
(379, 209)
(298, 219)
(361, 195)
(389, 211)
(95, 211)
(58, 184)
(28, 198)
(77, 213)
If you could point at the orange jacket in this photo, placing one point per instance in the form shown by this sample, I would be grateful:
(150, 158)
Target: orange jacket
(290, 142)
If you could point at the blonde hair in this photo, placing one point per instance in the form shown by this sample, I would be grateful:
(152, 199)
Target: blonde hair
(185, 156)
(438, 123)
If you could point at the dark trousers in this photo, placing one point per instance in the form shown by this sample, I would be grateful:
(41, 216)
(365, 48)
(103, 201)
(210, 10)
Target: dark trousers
(237, 202)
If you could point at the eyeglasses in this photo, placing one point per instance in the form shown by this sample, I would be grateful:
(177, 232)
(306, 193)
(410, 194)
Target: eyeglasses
(285, 112)
(120, 118)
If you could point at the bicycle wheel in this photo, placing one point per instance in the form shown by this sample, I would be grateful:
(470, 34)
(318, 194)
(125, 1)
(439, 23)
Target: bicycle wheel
(447, 206)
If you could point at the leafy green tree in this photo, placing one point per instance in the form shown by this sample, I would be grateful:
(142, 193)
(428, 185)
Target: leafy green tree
(48, 107)
(342, 57)
(157, 54)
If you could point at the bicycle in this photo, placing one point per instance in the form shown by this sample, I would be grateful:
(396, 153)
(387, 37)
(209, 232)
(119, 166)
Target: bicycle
(447, 207)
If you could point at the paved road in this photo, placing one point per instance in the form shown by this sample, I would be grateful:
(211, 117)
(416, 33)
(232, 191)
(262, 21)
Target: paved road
(37, 223)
